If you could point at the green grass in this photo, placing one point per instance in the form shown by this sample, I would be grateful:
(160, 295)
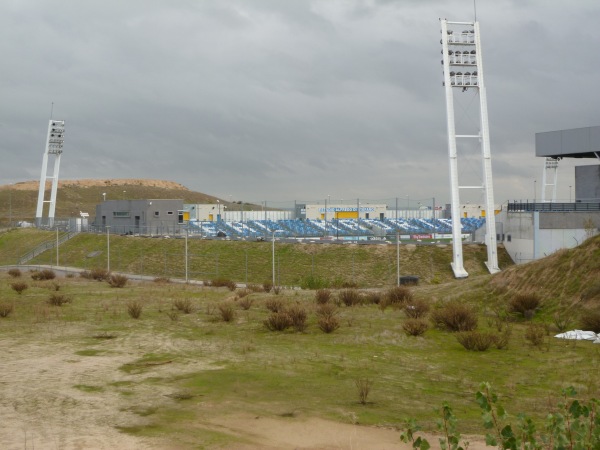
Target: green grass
(309, 265)
(200, 364)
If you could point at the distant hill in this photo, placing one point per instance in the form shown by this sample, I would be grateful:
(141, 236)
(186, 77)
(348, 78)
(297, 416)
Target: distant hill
(19, 200)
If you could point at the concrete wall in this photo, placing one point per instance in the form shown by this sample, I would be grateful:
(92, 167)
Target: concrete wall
(587, 183)
(529, 236)
(152, 216)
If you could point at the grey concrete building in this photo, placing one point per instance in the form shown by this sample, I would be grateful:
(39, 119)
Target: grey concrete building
(151, 217)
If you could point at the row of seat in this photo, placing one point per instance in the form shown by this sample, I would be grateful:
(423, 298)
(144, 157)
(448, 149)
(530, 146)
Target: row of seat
(336, 227)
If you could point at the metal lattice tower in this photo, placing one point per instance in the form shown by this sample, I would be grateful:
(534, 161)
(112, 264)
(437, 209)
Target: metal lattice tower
(463, 69)
(54, 146)
(550, 168)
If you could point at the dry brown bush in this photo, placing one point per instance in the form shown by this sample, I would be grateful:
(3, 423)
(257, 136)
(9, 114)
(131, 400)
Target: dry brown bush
(454, 316)
(45, 274)
(227, 312)
(222, 282)
(298, 316)
(5, 309)
(322, 296)
(267, 286)
(524, 304)
(415, 327)
(134, 309)
(246, 303)
(475, 340)
(15, 273)
(416, 309)
(590, 321)
(349, 297)
(329, 324)
(278, 321)
(398, 295)
(374, 297)
(326, 310)
(535, 334)
(58, 299)
(184, 305)
(363, 387)
(117, 281)
(162, 280)
(19, 286)
(255, 288)
(241, 293)
(274, 304)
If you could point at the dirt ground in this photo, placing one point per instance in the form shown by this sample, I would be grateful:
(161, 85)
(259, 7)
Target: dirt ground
(53, 398)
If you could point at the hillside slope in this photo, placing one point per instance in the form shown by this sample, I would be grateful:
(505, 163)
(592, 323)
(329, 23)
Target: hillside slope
(19, 200)
(570, 275)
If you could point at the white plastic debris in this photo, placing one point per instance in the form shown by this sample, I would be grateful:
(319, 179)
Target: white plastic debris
(580, 335)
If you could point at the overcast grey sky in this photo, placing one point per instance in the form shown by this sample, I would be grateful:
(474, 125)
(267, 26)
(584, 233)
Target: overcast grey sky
(288, 99)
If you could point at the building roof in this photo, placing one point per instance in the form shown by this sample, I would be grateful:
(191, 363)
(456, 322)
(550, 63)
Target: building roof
(573, 143)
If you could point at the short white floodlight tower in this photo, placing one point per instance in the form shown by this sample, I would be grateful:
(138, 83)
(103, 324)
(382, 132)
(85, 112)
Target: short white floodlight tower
(463, 69)
(54, 146)
(550, 171)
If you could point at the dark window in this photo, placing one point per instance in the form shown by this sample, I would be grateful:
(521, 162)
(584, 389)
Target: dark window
(156, 213)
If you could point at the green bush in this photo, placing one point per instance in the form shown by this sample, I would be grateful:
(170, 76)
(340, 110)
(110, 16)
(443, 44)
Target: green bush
(312, 282)
(454, 316)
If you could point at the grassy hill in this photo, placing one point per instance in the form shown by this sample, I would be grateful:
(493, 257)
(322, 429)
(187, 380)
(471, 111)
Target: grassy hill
(19, 200)
(172, 379)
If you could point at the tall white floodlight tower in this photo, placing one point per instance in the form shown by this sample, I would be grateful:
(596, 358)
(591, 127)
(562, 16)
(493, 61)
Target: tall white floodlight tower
(463, 70)
(54, 146)
(550, 171)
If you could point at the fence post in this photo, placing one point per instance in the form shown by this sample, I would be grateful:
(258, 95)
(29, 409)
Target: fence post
(246, 277)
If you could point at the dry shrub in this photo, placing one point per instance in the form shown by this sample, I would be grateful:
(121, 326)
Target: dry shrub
(298, 317)
(184, 305)
(117, 281)
(241, 293)
(563, 320)
(45, 274)
(416, 308)
(134, 309)
(322, 296)
(383, 304)
(58, 299)
(475, 340)
(173, 315)
(415, 327)
(349, 297)
(329, 324)
(374, 298)
(19, 286)
(255, 288)
(222, 282)
(54, 286)
(590, 321)
(278, 321)
(162, 280)
(70, 275)
(15, 273)
(398, 295)
(326, 310)
(98, 274)
(274, 304)
(535, 334)
(363, 387)
(276, 290)
(524, 304)
(267, 286)
(227, 312)
(245, 303)
(5, 309)
(503, 338)
(454, 316)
